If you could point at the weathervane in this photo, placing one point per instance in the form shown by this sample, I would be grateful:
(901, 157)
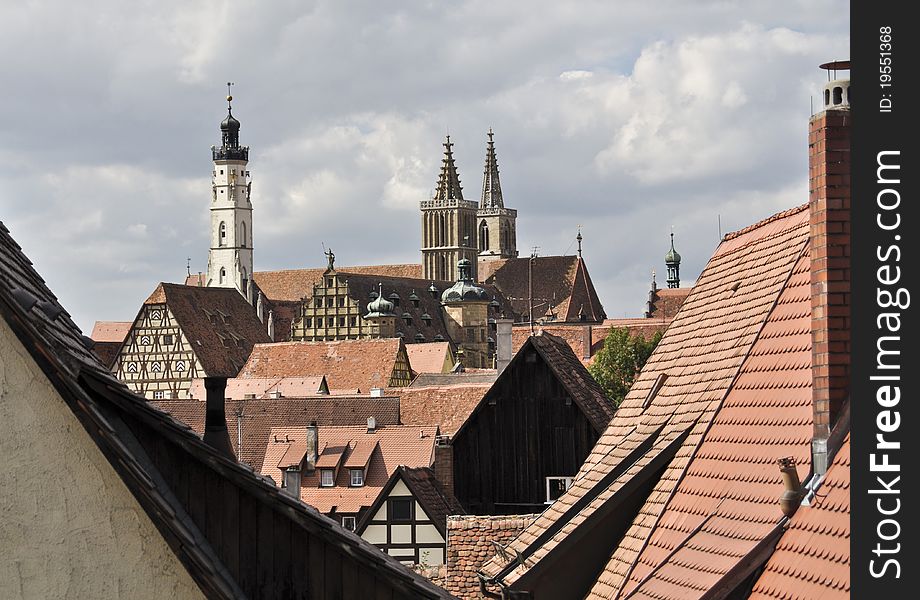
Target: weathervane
(229, 96)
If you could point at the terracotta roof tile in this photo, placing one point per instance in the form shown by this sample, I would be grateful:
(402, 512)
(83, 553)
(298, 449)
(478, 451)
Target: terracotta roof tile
(446, 406)
(238, 388)
(111, 331)
(347, 364)
(729, 496)
(294, 284)
(667, 301)
(218, 323)
(812, 558)
(560, 284)
(702, 352)
(430, 357)
(390, 447)
(471, 541)
(252, 420)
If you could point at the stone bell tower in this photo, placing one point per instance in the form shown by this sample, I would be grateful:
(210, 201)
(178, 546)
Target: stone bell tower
(230, 256)
(448, 225)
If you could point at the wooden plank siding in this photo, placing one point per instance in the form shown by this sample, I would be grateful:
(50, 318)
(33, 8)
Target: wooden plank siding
(267, 554)
(527, 428)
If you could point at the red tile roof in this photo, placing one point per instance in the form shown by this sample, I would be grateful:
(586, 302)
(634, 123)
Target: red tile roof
(430, 357)
(218, 323)
(391, 447)
(812, 558)
(294, 284)
(702, 353)
(560, 284)
(263, 387)
(667, 301)
(111, 331)
(728, 499)
(574, 333)
(347, 364)
(252, 420)
(445, 406)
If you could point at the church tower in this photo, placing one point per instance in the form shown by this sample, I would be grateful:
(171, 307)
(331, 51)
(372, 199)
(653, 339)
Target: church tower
(448, 225)
(672, 262)
(496, 231)
(230, 257)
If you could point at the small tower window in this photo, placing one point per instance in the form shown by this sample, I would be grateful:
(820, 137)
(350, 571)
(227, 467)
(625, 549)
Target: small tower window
(243, 234)
(222, 276)
(222, 234)
(483, 236)
(838, 95)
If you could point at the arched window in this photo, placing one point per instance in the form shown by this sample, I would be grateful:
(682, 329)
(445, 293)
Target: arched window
(222, 234)
(827, 97)
(243, 234)
(483, 236)
(838, 95)
(222, 276)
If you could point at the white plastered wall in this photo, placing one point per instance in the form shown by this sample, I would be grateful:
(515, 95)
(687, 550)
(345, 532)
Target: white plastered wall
(69, 527)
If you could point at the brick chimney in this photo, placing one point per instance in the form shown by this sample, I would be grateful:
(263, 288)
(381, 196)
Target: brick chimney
(829, 214)
(215, 421)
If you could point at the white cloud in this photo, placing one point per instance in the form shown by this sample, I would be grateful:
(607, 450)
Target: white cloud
(623, 117)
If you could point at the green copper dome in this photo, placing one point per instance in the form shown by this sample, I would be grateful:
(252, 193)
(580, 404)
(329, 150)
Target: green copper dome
(464, 289)
(672, 256)
(379, 306)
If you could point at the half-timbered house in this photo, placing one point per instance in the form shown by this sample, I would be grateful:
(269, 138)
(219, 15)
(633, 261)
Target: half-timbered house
(182, 333)
(409, 518)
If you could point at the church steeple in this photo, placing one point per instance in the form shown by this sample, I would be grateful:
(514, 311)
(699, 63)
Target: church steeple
(672, 261)
(448, 224)
(448, 181)
(491, 186)
(230, 256)
(496, 233)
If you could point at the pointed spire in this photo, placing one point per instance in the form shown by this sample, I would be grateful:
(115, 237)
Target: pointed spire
(672, 261)
(448, 181)
(491, 185)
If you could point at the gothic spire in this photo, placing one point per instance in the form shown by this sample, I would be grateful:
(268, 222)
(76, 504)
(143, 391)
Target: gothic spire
(448, 181)
(491, 186)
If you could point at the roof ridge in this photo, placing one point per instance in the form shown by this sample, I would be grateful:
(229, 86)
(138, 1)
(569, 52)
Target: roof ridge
(776, 217)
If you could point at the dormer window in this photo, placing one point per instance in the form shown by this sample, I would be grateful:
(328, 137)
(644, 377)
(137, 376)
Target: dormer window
(357, 477)
(326, 478)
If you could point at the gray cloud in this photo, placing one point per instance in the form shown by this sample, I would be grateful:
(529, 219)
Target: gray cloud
(626, 118)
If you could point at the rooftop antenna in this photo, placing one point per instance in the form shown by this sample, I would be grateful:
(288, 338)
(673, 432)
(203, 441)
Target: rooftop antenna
(533, 257)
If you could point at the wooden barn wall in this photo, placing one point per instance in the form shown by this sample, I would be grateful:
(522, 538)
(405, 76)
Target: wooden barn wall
(505, 451)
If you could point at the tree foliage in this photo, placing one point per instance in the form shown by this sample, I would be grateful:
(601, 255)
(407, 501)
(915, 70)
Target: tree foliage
(618, 363)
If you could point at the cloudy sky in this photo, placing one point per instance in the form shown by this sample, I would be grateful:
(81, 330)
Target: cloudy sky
(625, 117)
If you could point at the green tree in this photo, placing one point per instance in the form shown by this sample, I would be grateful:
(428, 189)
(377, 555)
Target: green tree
(615, 367)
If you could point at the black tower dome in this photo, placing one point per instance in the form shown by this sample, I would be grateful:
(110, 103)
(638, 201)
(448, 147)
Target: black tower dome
(230, 148)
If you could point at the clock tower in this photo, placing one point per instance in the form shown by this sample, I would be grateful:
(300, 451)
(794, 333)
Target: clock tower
(230, 256)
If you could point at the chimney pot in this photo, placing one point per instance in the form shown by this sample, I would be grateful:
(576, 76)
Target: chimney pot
(215, 421)
(371, 424)
(792, 496)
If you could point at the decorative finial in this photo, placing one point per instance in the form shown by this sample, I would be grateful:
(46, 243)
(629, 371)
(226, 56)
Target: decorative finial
(579, 238)
(490, 134)
(229, 96)
(188, 266)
